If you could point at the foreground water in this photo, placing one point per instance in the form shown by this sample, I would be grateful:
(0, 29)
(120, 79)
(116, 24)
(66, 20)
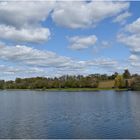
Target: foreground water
(38, 114)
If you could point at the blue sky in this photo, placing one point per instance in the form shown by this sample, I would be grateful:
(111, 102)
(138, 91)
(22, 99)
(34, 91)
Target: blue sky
(53, 38)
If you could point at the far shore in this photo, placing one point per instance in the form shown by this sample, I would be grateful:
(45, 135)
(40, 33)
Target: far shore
(74, 89)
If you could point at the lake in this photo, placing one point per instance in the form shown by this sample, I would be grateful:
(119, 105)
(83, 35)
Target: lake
(41, 114)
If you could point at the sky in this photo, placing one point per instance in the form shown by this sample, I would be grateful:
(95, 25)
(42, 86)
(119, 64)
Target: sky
(55, 38)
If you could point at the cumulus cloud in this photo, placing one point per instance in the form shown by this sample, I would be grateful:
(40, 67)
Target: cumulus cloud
(21, 21)
(35, 35)
(133, 57)
(31, 56)
(132, 41)
(122, 17)
(27, 56)
(4, 69)
(130, 36)
(78, 43)
(22, 13)
(82, 14)
(103, 62)
(134, 27)
(41, 58)
(10, 72)
(134, 60)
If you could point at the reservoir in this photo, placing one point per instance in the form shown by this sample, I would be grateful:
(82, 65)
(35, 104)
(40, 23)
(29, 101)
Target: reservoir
(46, 115)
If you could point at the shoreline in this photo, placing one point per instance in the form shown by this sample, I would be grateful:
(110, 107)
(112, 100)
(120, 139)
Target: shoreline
(72, 89)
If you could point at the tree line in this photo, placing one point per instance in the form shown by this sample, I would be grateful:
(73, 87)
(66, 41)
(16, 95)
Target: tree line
(125, 80)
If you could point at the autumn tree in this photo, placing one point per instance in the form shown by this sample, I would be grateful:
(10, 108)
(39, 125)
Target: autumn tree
(119, 81)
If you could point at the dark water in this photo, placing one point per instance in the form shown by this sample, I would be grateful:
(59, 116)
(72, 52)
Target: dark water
(36, 114)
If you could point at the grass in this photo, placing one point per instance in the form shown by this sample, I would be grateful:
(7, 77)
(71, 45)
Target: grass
(71, 89)
(83, 89)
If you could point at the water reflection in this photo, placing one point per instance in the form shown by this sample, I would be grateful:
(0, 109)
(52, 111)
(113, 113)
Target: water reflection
(105, 114)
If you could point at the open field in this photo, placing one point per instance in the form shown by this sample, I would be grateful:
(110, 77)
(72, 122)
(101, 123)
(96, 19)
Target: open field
(106, 84)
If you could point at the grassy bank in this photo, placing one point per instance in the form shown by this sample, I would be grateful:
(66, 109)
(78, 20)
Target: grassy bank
(83, 89)
(72, 89)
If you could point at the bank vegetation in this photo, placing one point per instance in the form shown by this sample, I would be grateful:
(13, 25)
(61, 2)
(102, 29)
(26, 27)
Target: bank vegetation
(72, 82)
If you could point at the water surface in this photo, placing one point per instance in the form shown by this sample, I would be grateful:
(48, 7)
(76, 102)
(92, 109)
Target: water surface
(40, 114)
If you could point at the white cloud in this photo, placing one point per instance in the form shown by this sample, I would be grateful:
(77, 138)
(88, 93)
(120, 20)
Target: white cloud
(103, 62)
(134, 27)
(22, 13)
(133, 57)
(4, 69)
(130, 36)
(78, 43)
(21, 21)
(35, 35)
(11, 72)
(80, 14)
(24, 56)
(73, 14)
(132, 41)
(33, 57)
(122, 17)
(134, 60)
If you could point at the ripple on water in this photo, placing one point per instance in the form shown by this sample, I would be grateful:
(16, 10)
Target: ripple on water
(64, 115)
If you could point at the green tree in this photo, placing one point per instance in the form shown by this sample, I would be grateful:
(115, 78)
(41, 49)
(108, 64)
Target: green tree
(18, 80)
(126, 74)
(113, 76)
(2, 82)
(136, 83)
(119, 81)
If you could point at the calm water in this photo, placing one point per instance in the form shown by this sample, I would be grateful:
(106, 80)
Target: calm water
(37, 114)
